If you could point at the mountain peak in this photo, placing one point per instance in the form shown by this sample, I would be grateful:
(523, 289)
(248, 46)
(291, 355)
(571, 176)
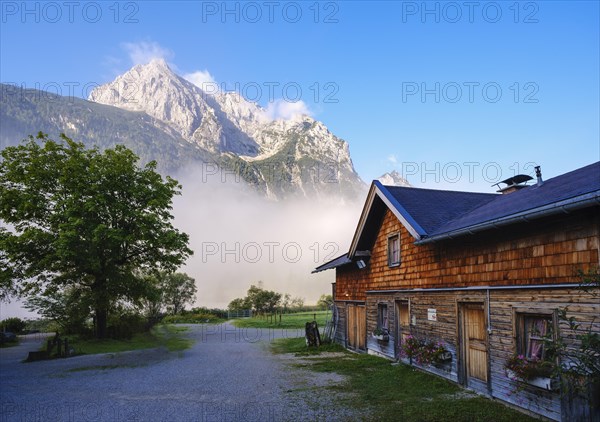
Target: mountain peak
(155, 65)
(154, 68)
(393, 178)
(281, 155)
(156, 90)
(159, 61)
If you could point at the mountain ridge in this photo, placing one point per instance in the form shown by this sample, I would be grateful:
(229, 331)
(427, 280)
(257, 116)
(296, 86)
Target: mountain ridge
(239, 134)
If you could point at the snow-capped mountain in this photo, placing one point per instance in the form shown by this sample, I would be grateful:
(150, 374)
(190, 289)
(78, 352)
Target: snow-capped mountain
(393, 179)
(281, 158)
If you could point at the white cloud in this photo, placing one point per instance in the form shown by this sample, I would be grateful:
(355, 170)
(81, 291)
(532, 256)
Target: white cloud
(203, 80)
(286, 110)
(392, 159)
(145, 51)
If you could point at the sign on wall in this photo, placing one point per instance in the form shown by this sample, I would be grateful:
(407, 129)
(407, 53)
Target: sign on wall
(431, 314)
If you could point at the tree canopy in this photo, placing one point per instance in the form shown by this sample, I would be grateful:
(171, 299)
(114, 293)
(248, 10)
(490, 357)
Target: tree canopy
(170, 292)
(258, 299)
(83, 219)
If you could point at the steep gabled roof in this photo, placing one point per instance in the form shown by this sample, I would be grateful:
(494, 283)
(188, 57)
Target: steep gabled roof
(433, 215)
(434, 208)
(421, 211)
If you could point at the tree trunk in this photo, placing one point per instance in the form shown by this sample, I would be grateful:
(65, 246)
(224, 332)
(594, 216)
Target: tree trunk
(101, 322)
(101, 305)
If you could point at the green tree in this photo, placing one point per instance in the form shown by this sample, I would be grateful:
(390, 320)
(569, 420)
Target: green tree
(70, 308)
(263, 300)
(324, 301)
(86, 219)
(178, 289)
(297, 303)
(286, 301)
(239, 304)
(151, 304)
(14, 325)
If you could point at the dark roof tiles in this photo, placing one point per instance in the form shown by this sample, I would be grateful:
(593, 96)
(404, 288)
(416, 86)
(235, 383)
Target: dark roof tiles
(433, 208)
(439, 211)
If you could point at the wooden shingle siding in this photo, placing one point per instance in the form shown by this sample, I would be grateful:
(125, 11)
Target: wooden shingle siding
(480, 294)
(503, 306)
(538, 252)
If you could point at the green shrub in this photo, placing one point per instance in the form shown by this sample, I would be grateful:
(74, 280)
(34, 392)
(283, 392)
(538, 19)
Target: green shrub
(14, 325)
(125, 325)
(42, 325)
(188, 318)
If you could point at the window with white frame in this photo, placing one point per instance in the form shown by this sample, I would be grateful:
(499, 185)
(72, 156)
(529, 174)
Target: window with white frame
(394, 250)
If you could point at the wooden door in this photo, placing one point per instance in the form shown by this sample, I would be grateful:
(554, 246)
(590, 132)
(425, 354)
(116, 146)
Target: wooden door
(474, 341)
(402, 324)
(361, 327)
(351, 326)
(357, 327)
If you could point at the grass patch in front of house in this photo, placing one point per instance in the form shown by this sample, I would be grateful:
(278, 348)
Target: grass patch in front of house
(399, 392)
(296, 320)
(163, 335)
(298, 347)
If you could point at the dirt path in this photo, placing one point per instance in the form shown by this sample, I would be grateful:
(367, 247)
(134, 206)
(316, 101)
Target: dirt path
(227, 375)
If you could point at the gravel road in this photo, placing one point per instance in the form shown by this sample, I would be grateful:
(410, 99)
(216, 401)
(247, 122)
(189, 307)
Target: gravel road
(227, 375)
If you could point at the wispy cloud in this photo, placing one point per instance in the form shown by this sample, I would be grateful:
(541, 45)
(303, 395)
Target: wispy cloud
(392, 159)
(286, 110)
(145, 51)
(203, 80)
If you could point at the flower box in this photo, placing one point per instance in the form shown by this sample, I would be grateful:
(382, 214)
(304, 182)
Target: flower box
(380, 335)
(545, 383)
(444, 357)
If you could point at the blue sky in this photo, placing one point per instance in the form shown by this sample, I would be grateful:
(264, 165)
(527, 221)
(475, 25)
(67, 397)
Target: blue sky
(454, 95)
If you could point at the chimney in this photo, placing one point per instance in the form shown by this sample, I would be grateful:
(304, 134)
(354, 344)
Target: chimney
(538, 173)
(514, 183)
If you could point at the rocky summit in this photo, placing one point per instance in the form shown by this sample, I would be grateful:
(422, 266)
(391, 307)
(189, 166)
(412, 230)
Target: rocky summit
(280, 157)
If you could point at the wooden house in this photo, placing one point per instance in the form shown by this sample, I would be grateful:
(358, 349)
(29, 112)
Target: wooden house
(479, 277)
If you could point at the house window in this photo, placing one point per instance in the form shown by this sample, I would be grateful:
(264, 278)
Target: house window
(394, 250)
(533, 332)
(382, 316)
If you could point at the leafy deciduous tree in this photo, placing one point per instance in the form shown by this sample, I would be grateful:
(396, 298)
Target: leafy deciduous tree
(324, 301)
(239, 304)
(178, 289)
(263, 300)
(85, 219)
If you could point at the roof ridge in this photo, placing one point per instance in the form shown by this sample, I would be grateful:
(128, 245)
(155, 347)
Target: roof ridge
(442, 190)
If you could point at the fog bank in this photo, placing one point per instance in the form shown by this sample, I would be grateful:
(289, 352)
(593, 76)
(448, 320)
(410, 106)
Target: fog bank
(240, 238)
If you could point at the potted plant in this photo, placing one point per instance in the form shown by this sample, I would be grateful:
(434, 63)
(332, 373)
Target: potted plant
(536, 372)
(381, 334)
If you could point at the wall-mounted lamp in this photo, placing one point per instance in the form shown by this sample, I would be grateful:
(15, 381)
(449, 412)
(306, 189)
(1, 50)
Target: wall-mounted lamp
(361, 264)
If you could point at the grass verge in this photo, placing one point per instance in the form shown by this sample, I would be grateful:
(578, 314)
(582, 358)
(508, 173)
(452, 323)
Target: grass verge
(297, 346)
(398, 392)
(297, 320)
(168, 336)
(9, 344)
